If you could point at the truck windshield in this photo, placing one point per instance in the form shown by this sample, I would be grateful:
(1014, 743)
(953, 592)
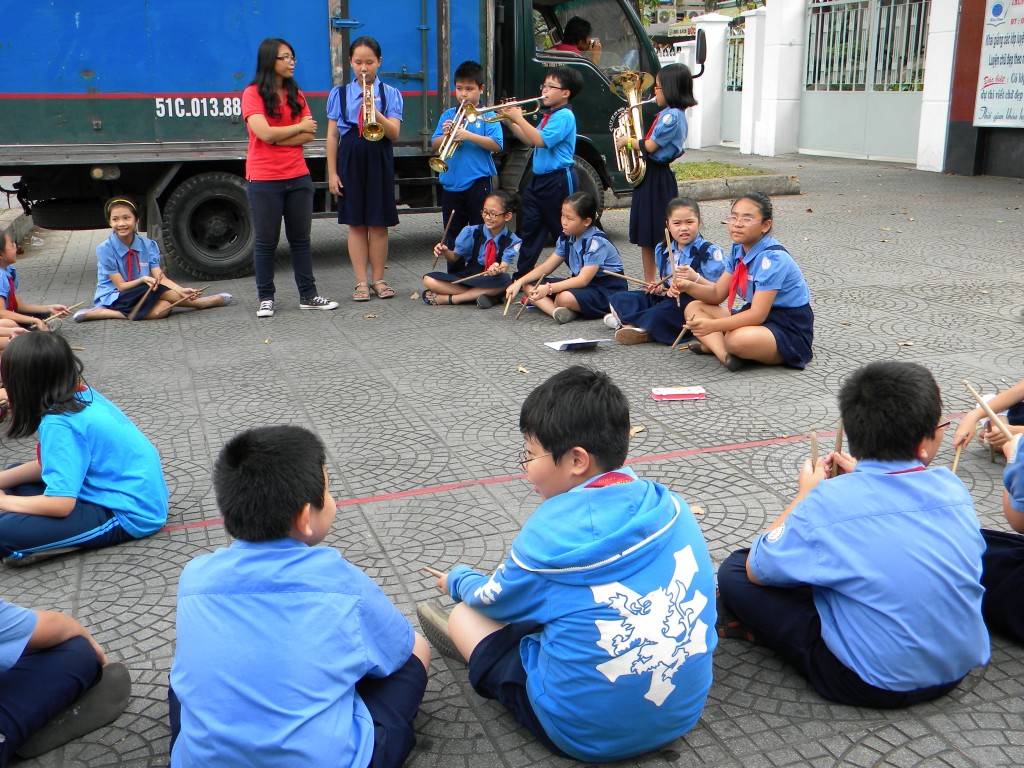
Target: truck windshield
(620, 47)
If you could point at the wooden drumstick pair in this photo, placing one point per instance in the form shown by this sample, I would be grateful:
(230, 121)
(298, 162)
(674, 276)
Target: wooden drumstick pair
(993, 418)
(834, 470)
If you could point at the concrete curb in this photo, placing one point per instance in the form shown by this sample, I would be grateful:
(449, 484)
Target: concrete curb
(725, 188)
(15, 223)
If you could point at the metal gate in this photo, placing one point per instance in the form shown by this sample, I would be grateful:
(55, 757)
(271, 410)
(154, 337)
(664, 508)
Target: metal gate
(863, 78)
(733, 96)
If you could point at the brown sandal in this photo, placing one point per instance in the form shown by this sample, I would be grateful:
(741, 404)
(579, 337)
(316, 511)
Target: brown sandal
(362, 292)
(382, 289)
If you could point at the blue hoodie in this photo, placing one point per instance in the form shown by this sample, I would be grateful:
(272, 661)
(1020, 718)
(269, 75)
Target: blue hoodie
(621, 579)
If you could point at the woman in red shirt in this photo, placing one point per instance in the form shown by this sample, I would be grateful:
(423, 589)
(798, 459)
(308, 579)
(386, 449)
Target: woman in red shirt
(280, 122)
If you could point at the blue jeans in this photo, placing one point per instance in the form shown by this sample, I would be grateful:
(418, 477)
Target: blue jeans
(268, 202)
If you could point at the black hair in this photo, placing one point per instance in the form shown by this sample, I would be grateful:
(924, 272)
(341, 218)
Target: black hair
(762, 202)
(125, 200)
(583, 203)
(469, 70)
(509, 199)
(368, 42)
(681, 202)
(579, 407)
(567, 78)
(263, 478)
(265, 80)
(576, 30)
(676, 83)
(888, 408)
(41, 375)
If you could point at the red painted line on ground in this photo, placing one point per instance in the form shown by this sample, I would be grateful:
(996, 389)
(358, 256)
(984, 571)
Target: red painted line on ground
(433, 489)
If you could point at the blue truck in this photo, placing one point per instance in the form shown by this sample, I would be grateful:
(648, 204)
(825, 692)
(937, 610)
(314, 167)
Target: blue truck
(145, 99)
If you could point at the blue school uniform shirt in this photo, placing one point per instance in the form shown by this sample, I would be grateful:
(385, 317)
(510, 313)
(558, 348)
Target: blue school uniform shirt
(8, 284)
(893, 555)
(770, 270)
(353, 105)
(591, 248)
(710, 267)
(559, 134)
(469, 162)
(464, 245)
(621, 580)
(1013, 479)
(272, 638)
(669, 134)
(112, 257)
(98, 455)
(16, 627)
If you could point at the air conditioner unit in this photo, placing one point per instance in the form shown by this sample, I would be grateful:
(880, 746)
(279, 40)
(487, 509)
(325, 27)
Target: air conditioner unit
(665, 17)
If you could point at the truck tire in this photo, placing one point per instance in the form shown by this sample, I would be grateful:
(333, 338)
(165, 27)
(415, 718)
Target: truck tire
(207, 230)
(68, 214)
(590, 182)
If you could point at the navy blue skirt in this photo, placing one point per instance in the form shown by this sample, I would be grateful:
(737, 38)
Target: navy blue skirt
(125, 302)
(650, 199)
(793, 329)
(367, 173)
(501, 281)
(658, 315)
(594, 298)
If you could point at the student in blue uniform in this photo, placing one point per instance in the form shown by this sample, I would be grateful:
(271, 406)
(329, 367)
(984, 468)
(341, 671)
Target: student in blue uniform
(467, 182)
(663, 144)
(596, 630)
(1008, 404)
(589, 254)
(360, 172)
(1003, 561)
(775, 326)
(869, 583)
(14, 313)
(554, 173)
(487, 247)
(659, 311)
(96, 480)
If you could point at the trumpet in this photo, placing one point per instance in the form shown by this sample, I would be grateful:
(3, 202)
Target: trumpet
(473, 113)
(372, 130)
(628, 122)
(449, 145)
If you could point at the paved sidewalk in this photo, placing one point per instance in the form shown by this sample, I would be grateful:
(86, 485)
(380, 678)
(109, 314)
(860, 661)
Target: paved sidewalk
(418, 407)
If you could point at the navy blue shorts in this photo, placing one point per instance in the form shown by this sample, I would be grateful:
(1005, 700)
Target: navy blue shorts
(594, 299)
(393, 702)
(793, 329)
(126, 301)
(490, 282)
(496, 672)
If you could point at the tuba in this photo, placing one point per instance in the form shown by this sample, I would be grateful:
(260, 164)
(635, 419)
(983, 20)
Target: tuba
(628, 122)
(372, 130)
(449, 145)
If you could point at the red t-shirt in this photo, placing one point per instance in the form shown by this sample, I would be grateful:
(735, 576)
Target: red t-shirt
(270, 162)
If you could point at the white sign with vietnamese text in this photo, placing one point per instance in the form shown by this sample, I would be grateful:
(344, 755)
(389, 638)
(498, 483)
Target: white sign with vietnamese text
(1000, 100)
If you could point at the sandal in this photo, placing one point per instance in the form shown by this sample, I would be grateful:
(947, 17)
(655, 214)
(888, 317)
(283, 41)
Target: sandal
(362, 292)
(429, 297)
(382, 289)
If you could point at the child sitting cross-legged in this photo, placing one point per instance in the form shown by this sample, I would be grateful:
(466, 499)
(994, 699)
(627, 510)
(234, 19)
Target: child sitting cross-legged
(596, 631)
(288, 655)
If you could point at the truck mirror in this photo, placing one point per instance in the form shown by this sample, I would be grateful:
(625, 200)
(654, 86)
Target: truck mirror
(700, 52)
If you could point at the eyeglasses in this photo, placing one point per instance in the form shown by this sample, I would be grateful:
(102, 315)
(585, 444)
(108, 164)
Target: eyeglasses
(286, 57)
(549, 87)
(525, 458)
(732, 218)
(492, 214)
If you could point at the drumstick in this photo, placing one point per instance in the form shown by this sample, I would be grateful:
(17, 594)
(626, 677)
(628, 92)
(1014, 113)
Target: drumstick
(839, 446)
(138, 306)
(814, 448)
(668, 249)
(65, 312)
(470, 277)
(956, 458)
(193, 296)
(637, 280)
(433, 571)
(680, 336)
(443, 238)
(508, 303)
(996, 421)
(526, 301)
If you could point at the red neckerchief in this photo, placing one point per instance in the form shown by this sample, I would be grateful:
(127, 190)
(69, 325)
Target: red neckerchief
(132, 253)
(490, 254)
(12, 300)
(609, 478)
(904, 471)
(739, 279)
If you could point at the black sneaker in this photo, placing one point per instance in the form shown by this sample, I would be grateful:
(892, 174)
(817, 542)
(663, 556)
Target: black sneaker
(266, 308)
(486, 302)
(317, 302)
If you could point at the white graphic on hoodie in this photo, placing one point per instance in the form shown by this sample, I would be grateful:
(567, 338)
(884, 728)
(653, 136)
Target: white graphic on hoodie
(657, 632)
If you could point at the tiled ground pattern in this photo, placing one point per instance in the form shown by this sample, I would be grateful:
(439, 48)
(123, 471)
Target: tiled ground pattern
(418, 407)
